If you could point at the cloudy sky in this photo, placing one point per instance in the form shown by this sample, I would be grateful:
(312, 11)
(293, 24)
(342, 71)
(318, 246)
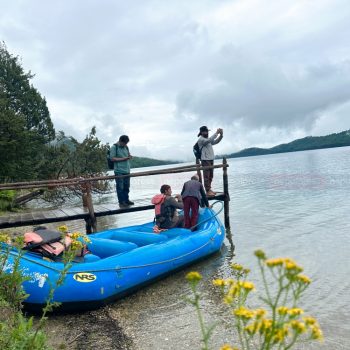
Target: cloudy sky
(266, 71)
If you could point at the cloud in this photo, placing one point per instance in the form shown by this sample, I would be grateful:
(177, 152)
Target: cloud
(157, 70)
(261, 92)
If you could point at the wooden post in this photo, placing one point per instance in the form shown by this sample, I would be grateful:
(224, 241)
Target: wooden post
(199, 173)
(90, 223)
(227, 196)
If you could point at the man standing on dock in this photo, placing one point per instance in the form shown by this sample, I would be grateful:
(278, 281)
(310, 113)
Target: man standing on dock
(120, 155)
(205, 144)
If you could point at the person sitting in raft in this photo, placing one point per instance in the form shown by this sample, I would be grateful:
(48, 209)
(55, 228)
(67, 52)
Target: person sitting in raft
(169, 217)
(193, 194)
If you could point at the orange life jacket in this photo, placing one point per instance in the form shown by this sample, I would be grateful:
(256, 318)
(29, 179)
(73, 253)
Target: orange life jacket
(158, 200)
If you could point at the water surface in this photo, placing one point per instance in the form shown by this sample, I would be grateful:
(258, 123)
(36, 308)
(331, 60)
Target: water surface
(291, 204)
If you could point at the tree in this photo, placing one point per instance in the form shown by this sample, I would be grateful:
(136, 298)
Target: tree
(25, 123)
(68, 158)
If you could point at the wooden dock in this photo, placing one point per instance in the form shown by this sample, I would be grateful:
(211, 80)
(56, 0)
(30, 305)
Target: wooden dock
(74, 213)
(90, 212)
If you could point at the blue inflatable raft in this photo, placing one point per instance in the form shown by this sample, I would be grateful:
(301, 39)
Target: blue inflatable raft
(122, 260)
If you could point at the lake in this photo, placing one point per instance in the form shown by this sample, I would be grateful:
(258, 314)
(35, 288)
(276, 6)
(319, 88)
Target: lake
(291, 204)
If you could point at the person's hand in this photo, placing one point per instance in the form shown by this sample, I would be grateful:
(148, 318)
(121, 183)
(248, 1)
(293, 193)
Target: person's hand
(178, 197)
(130, 156)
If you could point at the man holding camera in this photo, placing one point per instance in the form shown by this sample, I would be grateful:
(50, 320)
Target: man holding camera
(205, 144)
(120, 155)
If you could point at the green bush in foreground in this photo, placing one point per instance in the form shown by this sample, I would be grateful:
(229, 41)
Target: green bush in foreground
(278, 326)
(16, 330)
(7, 199)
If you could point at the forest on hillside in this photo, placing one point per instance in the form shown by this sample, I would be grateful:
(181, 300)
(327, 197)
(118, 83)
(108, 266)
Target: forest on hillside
(340, 139)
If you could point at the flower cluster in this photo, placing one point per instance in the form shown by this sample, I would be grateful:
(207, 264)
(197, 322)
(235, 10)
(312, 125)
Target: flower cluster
(78, 240)
(279, 325)
(4, 238)
(193, 277)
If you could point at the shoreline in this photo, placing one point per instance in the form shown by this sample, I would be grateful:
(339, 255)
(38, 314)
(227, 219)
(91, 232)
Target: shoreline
(87, 331)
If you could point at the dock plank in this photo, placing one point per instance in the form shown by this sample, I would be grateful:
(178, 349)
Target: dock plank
(69, 212)
(26, 217)
(103, 208)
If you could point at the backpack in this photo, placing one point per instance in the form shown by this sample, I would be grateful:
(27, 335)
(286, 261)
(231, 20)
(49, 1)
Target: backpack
(110, 163)
(197, 151)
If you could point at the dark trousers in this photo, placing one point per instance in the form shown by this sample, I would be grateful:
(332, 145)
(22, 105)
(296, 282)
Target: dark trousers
(123, 188)
(191, 205)
(208, 174)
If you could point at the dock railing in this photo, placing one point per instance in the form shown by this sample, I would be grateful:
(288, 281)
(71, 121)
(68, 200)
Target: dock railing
(85, 184)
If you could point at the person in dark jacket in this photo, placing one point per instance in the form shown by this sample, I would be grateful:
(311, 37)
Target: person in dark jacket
(193, 194)
(169, 217)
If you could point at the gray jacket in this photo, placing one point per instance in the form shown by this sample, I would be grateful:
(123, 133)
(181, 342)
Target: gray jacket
(206, 145)
(194, 188)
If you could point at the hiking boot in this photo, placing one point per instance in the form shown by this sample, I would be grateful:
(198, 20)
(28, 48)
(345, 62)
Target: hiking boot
(211, 193)
(123, 204)
(128, 202)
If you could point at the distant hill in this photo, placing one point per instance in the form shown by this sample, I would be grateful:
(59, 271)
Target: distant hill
(139, 162)
(341, 139)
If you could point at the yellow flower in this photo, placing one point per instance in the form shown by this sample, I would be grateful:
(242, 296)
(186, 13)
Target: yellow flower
(76, 245)
(282, 310)
(219, 282)
(304, 279)
(63, 229)
(265, 326)
(274, 262)
(298, 326)
(233, 291)
(260, 313)
(247, 285)
(309, 320)
(260, 254)
(228, 347)
(279, 335)
(86, 239)
(316, 332)
(251, 329)
(5, 238)
(292, 266)
(193, 276)
(237, 267)
(243, 312)
(75, 235)
(230, 282)
(295, 311)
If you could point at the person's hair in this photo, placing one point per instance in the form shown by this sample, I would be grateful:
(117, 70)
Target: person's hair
(195, 177)
(164, 188)
(124, 138)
